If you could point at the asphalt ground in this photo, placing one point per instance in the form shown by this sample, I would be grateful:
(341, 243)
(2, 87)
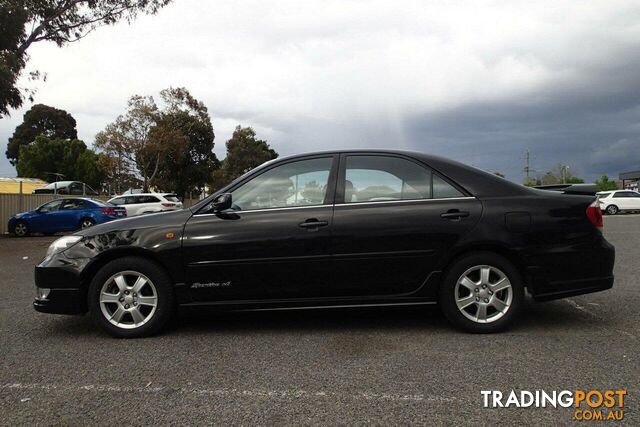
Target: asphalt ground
(347, 366)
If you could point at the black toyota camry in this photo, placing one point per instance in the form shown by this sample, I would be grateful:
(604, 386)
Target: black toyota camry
(336, 229)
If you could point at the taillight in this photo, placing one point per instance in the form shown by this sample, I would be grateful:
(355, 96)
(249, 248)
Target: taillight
(108, 211)
(595, 214)
(168, 205)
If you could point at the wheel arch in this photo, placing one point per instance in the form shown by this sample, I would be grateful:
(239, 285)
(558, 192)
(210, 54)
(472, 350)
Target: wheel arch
(103, 259)
(506, 252)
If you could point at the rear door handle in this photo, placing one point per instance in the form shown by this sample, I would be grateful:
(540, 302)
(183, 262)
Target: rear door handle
(312, 224)
(454, 215)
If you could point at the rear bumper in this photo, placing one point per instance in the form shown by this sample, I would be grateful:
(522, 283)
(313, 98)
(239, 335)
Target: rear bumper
(572, 288)
(572, 271)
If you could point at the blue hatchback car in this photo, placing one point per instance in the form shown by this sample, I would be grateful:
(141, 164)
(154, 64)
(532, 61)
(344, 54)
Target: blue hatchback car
(64, 215)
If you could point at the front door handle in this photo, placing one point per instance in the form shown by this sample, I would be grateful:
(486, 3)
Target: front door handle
(313, 224)
(454, 215)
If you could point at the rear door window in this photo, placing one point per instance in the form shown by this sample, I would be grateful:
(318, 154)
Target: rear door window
(172, 198)
(149, 199)
(383, 178)
(443, 190)
(73, 204)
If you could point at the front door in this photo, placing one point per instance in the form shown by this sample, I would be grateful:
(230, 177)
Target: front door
(274, 241)
(48, 218)
(393, 220)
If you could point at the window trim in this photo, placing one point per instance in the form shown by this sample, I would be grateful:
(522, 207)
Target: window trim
(328, 198)
(339, 199)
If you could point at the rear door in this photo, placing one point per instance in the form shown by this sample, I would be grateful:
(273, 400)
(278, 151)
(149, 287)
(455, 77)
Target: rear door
(70, 214)
(393, 220)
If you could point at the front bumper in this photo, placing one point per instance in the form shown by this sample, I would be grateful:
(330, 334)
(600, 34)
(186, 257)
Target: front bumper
(62, 276)
(61, 301)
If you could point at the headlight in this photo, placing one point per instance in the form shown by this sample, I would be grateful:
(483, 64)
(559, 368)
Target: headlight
(62, 244)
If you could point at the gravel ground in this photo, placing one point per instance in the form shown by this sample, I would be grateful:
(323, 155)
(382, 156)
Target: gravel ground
(378, 366)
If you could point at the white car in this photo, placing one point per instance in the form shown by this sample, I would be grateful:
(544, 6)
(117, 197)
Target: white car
(138, 204)
(616, 201)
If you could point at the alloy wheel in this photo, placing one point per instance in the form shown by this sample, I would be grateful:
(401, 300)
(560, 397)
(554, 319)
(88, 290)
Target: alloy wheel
(612, 210)
(128, 299)
(483, 294)
(86, 223)
(21, 229)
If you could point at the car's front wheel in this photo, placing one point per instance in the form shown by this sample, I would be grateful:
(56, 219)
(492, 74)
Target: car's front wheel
(131, 297)
(21, 229)
(482, 293)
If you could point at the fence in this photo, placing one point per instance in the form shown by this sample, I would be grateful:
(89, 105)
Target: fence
(11, 204)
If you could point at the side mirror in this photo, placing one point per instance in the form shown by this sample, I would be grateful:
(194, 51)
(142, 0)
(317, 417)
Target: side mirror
(221, 202)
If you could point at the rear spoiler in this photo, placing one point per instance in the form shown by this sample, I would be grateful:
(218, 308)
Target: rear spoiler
(583, 189)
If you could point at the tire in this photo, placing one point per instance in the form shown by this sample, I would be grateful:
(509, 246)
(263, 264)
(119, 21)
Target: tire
(501, 306)
(86, 223)
(121, 301)
(21, 229)
(612, 209)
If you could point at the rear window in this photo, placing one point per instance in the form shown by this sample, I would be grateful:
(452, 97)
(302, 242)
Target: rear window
(172, 198)
(603, 195)
(100, 203)
(148, 199)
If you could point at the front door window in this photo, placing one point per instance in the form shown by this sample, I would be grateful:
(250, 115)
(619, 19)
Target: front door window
(301, 183)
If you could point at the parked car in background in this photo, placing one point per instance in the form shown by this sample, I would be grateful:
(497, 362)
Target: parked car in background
(613, 202)
(138, 204)
(64, 215)
(67, 187)
(337, 229)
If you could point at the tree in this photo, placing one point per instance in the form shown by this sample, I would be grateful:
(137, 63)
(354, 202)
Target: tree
(244, 152)
(127, 140)
(603, 184)
(69, 158)
(560, 174)
(25, 22)
(40, 120)
(188, 135)
(170, 147)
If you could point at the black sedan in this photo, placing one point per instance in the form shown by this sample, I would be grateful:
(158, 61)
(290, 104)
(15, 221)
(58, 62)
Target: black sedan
(336, 229)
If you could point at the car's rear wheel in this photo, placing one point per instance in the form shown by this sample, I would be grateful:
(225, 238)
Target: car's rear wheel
(21, 229)
(612, 209)
(482, 293)
(86, 223)
(131, 297)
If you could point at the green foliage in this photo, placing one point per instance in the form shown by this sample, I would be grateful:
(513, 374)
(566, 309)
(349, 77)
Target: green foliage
(244, 152)
(560, 174)
(190, 158)
(70, 158)
(24, 22)
(127, 142)
(40, 120)
(170, 148)
(604, 184)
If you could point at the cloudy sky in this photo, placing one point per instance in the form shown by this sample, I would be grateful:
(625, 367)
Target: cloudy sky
(477, 81)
